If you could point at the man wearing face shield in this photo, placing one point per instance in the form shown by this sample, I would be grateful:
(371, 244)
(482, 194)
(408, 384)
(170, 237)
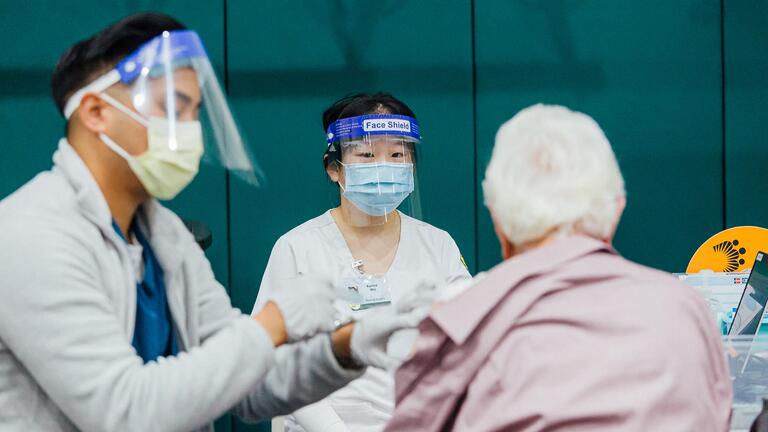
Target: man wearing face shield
(111, 318)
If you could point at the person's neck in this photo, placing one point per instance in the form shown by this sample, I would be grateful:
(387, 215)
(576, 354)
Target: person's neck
(550, 237)
(380, 227)
(525, 247)
(510, 251)
(123, 209)
(122, 202)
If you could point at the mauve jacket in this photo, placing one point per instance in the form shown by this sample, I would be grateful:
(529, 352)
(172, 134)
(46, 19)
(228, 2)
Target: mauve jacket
(567, 337)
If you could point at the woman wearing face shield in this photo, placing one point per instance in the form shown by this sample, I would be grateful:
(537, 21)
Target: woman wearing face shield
(377, 253)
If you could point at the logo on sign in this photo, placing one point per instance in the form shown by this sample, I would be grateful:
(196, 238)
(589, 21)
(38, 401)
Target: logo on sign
(385, 125)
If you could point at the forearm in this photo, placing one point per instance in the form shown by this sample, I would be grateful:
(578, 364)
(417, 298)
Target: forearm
(271, 319)
(341, 346)
(173, 394)
(303, 373)
(204, 383)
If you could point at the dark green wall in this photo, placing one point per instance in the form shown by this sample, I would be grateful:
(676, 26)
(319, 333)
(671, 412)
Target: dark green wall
(681, 89)
(650, 73)
(746, 112)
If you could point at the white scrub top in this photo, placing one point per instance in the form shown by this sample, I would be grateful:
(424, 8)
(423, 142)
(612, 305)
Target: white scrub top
(317, 247)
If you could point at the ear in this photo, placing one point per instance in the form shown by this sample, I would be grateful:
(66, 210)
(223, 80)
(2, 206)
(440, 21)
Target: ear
(333, 170)
(92, 113)
(507, 248)
(621, 204)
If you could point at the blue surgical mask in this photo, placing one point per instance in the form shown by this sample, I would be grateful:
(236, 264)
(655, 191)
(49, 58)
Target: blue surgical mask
(377, 188)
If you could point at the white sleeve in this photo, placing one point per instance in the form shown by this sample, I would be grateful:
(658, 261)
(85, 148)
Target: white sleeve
(453, 261)
(60, 324)
(303, 373)
(281, 265)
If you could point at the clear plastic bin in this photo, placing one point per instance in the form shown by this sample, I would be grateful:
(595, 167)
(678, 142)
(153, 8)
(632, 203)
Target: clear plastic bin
(747, 361)
(722, 292)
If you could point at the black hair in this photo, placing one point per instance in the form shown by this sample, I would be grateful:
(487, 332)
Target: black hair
(85, 60)
(358, 104)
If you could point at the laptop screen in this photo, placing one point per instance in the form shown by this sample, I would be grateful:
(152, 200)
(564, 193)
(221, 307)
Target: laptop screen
(749, 314)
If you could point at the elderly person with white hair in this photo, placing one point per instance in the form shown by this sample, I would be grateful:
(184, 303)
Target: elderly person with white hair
(564, 334)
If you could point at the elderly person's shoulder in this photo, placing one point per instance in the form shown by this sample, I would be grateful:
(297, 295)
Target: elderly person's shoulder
(579, 278)
(613, 265)
(615, 270)
(609, 280)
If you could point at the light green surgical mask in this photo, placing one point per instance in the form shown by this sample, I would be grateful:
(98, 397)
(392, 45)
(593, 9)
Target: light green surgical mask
(170, 163)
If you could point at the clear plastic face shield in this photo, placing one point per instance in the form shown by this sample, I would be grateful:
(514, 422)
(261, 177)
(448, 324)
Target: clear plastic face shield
(174, 93)
(377, 172)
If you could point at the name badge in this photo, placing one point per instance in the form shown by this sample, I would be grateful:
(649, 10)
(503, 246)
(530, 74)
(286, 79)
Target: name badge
(365, 291)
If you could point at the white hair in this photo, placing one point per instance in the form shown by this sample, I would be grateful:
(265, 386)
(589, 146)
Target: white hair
(552, 170)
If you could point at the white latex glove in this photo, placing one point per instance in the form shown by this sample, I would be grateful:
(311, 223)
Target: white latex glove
(306, 304)
(373, 331)
(449, 292)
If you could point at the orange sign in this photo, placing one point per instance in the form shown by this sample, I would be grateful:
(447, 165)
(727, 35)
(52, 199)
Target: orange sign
(731, 250)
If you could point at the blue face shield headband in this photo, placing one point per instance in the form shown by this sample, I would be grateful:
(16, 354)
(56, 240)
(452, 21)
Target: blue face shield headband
(377, 153)
(170, 83)
(371, 125)
(160, 55)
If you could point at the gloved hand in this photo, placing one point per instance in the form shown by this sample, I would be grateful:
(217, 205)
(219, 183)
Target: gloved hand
(372, 332)
(306, 304)
(455, 289)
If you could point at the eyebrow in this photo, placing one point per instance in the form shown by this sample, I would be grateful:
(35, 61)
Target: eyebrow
(186, 99)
